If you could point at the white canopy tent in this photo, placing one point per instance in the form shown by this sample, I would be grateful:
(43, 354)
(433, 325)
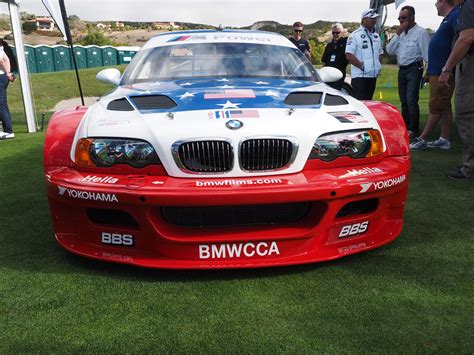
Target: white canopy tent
(14, 8)
(381, 7)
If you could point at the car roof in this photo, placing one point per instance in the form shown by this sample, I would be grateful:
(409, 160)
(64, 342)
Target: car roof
(217, 36)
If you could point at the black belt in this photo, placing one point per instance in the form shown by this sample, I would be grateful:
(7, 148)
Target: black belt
(418, 63)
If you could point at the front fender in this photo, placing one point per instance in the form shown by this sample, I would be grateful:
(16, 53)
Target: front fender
(60, 135)
(392, 125)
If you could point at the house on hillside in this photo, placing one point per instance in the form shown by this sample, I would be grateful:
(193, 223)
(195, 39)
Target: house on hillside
(119, 24)
(43, 23)
(164, 26)
(102, 26)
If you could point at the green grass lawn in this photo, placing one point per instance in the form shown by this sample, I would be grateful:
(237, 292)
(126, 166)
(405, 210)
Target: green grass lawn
(414, 295)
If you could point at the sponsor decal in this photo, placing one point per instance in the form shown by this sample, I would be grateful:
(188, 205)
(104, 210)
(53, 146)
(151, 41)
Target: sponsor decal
(353, 229)
(384, 184)
(118, 257)
(234, 114)
(351, 248)
(117, 239)
(349, 117)
(87, 195)
(100, 180)
(231, 182)
(238, 37)
(230, 94)
(230, 251)
(187, 38)
(364, 171)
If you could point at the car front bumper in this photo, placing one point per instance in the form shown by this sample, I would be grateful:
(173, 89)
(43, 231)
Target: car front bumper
(323, 233)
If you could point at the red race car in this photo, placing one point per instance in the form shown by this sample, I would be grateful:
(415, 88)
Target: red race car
(225, 149)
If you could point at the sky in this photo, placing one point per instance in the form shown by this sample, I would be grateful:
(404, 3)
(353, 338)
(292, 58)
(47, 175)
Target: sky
(236, 13)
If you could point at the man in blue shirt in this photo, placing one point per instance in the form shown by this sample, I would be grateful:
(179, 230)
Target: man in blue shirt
(462, 57)
(440, 95)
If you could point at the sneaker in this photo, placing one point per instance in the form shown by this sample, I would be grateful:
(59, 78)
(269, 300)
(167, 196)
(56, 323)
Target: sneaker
(440, 143)
(5, 135)
(457, 174)
(418, 144)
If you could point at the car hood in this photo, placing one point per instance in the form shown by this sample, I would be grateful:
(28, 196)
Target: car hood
(164, 113)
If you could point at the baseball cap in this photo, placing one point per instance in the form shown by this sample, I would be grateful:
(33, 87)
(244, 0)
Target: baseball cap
(369, 13)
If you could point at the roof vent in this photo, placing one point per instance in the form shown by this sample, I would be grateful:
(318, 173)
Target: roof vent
(153, 102)
(334, 100)
(304, 98)
(120, 105)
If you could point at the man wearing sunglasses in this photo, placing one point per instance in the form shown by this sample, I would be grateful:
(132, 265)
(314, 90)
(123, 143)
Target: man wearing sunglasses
(335, 54)
(410, 44)
(363, 52)
(299, 42)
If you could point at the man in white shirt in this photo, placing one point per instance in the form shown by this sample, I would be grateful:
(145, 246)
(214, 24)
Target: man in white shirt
(5, 77)
(410, 44)
(363, 52)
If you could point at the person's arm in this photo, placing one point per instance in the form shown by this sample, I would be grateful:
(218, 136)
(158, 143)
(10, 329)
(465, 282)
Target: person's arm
(308, 52)
(460, 50)
(5, 65)
(392, 46)
(352, 59)
(424, 44)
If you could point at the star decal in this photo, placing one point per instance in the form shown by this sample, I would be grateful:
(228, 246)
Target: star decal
(229, 104)
(272, 93)
(291, 82)
(224, 80)
(186, 84)
(185, 95)
(156, 83)
(226, 87)
(261, 83)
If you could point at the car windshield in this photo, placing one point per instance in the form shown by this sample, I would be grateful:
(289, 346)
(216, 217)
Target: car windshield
(211, 60)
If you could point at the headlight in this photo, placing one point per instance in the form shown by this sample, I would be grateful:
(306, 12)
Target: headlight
(354, 144)
(106, 152)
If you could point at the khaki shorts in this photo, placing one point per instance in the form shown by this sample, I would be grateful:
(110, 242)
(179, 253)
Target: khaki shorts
(440, 96)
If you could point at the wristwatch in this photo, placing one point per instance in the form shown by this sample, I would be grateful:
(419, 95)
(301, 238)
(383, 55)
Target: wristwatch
(446, 70)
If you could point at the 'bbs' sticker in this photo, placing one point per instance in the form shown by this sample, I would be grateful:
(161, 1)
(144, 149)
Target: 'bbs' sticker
(354, 229)
(117, 239)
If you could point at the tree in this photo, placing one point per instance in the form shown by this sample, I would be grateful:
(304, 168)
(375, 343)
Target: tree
(96, 38)
(25, 16)
(317, 50)
(29, 27)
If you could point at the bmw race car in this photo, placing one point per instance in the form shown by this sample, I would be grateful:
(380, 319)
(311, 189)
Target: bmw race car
(225, 149)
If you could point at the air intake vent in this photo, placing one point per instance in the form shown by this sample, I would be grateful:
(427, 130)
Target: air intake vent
(303, 98)
(266, 154)
(153, 102)
(120, 105)
(211, 156)
(334, 100)
(249, 215)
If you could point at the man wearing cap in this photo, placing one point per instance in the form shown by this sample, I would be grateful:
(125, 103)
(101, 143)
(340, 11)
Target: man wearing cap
(410, 44)
(363, 52)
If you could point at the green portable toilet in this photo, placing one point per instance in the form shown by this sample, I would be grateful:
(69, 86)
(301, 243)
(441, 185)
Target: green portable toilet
(125, 54)
(31, 59)
(109, 56)
(94, 56)
(62, 58)
(81, 57)
(44, 58)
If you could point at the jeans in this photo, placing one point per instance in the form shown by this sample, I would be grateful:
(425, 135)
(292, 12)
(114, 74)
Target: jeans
(4, 111)
(409, 80)
(363, 88)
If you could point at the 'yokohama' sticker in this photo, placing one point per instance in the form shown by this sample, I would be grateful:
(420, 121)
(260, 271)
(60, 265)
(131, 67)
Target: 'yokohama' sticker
(87, 195)
(384, 184)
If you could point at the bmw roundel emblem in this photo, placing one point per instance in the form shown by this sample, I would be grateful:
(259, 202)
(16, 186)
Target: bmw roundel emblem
(234, 124)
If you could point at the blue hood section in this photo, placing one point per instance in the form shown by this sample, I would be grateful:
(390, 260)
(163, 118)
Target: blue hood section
(222, 94)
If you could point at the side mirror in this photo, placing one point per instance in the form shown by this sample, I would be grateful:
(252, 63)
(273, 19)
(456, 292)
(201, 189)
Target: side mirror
(109, 76)
(330, 74)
